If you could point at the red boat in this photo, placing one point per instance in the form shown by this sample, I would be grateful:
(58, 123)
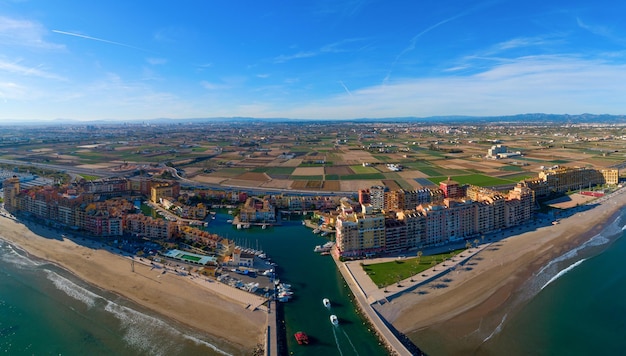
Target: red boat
(301, 338)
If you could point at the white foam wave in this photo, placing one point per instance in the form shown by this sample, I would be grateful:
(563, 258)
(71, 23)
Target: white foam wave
(497, 329)
(146, 332)
(597, 240)
(202, 342)
(72, 289)
(563, 272)
(13, 255)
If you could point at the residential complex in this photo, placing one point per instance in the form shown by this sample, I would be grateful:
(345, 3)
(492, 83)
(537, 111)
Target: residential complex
(391, 221)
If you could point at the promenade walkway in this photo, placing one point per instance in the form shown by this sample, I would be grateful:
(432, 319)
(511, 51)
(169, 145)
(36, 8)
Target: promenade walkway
(367, 293)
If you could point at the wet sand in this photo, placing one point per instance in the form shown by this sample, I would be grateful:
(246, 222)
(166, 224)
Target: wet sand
(225, 320)
(458, 315)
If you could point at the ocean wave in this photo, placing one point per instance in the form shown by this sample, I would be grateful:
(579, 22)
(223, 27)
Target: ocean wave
(563, 272)
(72, 289)
(9, 253)
(597, 240)
(149, 334)
(497, 329)
(202, 342)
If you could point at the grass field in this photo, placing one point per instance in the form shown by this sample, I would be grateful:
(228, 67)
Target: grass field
(363, 176)
(480, 180)
(362, 170)
(387, 273)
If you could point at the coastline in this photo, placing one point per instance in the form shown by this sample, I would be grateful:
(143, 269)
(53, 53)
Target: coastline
(476, 300)
(225, 321)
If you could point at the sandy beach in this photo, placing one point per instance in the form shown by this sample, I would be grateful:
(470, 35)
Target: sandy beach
(225, 321)
(461, 313)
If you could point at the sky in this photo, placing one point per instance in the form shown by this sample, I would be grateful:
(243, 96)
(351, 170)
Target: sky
(321, 59)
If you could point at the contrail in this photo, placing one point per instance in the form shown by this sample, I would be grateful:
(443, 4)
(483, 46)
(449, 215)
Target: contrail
(345, 87)
(97, 39)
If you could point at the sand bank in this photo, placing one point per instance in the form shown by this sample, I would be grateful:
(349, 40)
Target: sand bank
(180, 298)
(457, 315)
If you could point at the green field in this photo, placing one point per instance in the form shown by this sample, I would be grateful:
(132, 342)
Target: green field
(480, 180)
(387, 273)
(362, 176)
(190, 258)
(362, 170)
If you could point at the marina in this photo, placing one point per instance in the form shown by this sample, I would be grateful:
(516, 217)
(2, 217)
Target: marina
(309, 278)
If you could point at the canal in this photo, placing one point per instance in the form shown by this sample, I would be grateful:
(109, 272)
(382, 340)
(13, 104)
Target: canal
(312, 277)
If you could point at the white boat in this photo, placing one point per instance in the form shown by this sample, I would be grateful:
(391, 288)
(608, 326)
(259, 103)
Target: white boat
(326, 302)
(324, 248)
(334, 320)
(264, 227)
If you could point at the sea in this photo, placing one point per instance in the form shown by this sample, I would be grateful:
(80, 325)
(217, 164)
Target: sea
(44, 310)
(577, 305)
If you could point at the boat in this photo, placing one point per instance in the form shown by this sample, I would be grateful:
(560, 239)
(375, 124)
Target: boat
(301, 338)
(303, 223)
(263, 226)
(334, 320)
(324, 248)
(326, 302)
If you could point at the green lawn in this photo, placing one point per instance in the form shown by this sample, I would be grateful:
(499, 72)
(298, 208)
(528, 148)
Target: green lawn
(480, 180)
(362, 170)
(365, 176)
(387, 273)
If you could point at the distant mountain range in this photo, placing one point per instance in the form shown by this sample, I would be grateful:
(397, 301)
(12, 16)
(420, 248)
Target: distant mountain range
(532, 117)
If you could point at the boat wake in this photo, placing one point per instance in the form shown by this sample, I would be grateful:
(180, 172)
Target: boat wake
(350, 341)
(337, 340)
(563, 272)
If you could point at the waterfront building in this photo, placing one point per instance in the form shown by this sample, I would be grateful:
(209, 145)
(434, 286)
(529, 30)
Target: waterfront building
(145, 226)
(563, 179)
(257, 210)
(358, 234)
(11, 188)
(195, 235)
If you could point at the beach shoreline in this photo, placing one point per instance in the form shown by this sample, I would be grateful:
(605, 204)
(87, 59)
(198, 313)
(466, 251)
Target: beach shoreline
(476, 300)
(224, 321)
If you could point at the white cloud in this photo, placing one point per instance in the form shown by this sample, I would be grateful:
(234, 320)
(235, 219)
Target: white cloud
(552, 84)
(24, 33)
(29, 71)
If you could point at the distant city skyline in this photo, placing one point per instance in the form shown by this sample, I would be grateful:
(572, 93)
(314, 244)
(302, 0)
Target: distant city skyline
(317, 60)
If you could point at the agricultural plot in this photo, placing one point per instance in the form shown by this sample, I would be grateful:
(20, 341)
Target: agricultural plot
(308, 171)
(474, 179)
(257, 177)
(363, 169)
(364, 176)
(338, 171)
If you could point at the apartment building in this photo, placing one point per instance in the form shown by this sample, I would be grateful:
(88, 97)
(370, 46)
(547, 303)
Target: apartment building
(257, 210)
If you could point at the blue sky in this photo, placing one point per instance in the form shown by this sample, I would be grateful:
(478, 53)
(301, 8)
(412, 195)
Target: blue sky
(322, 59)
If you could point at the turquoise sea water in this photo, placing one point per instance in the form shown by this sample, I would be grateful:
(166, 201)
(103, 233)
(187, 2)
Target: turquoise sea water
(46, 311)
(581, 307)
